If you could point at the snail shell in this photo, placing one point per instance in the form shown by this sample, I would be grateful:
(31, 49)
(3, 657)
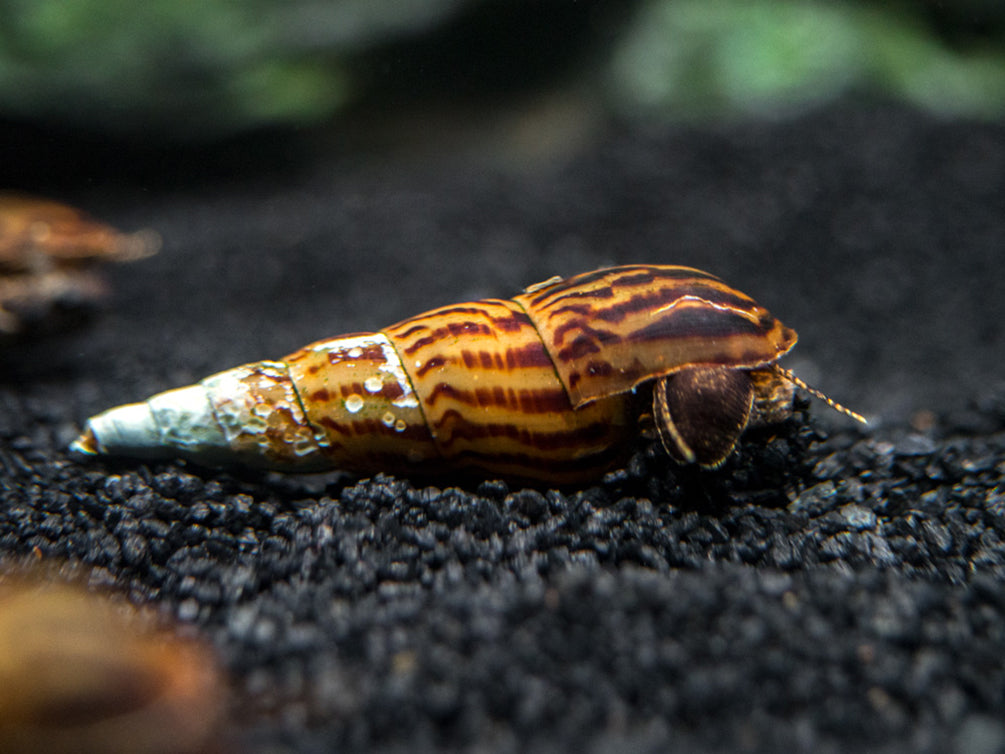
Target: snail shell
(548, 386)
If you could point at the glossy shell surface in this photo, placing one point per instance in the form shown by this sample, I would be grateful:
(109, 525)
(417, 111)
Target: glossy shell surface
(609, 330)
(538, 387)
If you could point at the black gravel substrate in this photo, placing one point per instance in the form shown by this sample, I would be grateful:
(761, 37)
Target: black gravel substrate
(829, 589)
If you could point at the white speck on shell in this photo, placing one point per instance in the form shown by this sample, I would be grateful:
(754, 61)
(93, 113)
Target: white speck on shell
(388, 419)
(400, 425)
(353, 347)
(353, 403)
(373, 384)
(392, 366)
(348, 348)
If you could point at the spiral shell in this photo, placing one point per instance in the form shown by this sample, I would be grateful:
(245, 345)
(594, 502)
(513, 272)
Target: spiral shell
(546, 386)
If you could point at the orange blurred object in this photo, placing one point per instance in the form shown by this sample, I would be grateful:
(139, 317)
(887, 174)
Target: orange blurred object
(80, 673)
(47, 254)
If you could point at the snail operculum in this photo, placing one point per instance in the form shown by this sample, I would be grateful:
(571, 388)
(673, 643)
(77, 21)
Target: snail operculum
(700, 412)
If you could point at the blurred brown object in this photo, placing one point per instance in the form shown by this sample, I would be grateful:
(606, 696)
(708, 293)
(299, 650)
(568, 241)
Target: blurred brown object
(79, 673)
(47, 254)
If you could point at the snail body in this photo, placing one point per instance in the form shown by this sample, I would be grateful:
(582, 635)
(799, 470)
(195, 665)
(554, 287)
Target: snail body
(548, 386)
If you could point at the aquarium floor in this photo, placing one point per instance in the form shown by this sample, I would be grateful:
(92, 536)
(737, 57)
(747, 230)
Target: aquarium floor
(832, 588)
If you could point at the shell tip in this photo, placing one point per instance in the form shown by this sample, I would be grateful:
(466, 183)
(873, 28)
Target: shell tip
(86, 444)
(137, 245)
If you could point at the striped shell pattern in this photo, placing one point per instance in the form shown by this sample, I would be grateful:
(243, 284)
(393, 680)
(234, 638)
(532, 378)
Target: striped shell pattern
(547, 386)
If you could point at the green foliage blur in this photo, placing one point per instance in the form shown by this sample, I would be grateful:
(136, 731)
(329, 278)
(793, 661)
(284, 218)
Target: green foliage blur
(191, 68)
(202, 69)
(695, 58)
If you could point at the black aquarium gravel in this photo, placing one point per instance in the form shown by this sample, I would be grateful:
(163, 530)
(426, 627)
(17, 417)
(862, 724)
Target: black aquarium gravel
(831, 588)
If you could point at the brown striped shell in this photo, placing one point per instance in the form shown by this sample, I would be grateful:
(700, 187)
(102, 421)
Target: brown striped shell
(609, 330)
(546, 386)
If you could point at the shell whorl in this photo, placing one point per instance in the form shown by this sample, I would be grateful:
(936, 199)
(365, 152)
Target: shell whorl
(247, 414)
(609, 330)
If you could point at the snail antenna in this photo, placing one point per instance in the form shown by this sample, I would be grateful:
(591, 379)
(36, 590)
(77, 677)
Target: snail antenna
(788, 375)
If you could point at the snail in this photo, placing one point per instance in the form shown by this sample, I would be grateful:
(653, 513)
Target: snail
(548, 386)
(83, 674)
(49, 253)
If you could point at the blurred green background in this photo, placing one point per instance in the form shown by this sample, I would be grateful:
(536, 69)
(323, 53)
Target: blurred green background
(204, 69)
